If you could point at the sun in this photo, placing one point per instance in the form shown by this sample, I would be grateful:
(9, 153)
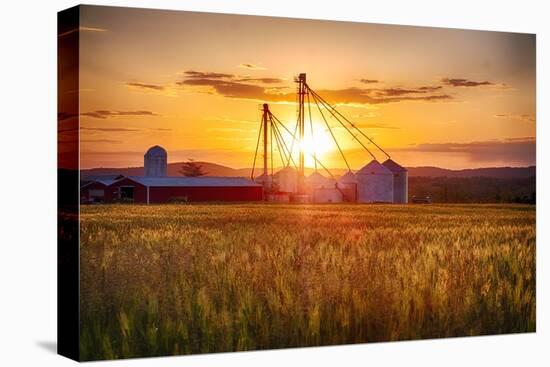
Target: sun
(318, 146)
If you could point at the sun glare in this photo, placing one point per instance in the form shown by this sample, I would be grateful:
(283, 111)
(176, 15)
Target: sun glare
(317, 146)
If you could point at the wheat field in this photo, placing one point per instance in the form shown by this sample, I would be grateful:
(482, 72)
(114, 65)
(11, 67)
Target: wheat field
(182, 279)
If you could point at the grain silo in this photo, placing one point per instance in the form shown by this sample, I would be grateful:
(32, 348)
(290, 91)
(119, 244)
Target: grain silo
(348, 186)
(400, 181)
(374, 184)
(317, 180)
(155, 162)
(286, 180)
(265, 180)
(327, 195)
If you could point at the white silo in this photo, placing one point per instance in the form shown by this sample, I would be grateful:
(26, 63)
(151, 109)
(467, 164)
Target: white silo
(400, 181)
(286, 180)
(374, 184)
(155, 162)
(348, 185)
(322, 189)
(264, 180)
(317, 180)
(327, 195)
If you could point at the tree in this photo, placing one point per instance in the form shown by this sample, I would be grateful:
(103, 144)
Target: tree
(192, 169)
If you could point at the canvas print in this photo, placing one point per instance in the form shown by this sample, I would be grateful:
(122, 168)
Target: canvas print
(232, 183)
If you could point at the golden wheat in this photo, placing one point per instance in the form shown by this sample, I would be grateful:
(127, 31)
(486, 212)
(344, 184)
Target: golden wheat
(180, 279)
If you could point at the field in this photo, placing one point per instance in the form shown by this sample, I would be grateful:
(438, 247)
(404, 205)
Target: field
(180, 279)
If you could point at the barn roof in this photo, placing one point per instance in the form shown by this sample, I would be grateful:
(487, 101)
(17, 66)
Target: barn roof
(179, 181)
(102, 179)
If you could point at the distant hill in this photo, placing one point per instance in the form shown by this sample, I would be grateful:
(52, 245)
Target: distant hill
(493, 172)
(213, 169)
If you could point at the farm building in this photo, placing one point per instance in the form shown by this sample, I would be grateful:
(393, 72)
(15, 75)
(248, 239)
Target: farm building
(92, 190)
(348, 185)
(374, 184)
(156, 187)
(172, 189)
(400, 181)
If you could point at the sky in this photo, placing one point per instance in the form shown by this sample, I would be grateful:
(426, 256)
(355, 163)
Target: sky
(194, 83)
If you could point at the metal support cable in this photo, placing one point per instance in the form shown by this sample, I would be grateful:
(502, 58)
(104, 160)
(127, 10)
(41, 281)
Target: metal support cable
(271, 155)
(328, 107)
(292, 144)
(279, 136)
(257, 146)
(348, 121)
(295, 139)
(282, 154)
(331, 133)
(311, 128)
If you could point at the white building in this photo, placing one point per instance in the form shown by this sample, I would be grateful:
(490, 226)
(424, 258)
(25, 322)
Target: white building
(286, 180)
(317, 180)
(374, 184)
(348, 186)
(400, 181)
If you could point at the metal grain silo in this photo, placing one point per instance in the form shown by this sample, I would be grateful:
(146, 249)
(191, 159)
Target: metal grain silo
(374, 184)
(286, 180)
(400, 181)
(327, 195)
(155, 162)
(317, 180)
(348, 185)
(265, 180)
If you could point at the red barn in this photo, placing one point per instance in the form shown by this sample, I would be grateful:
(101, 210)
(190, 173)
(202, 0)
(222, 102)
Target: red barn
(93, 189)
(173, 189)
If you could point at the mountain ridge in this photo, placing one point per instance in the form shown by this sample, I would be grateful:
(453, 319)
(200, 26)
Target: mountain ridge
(213, 169)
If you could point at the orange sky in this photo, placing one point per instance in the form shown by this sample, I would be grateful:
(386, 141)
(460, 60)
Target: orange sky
(194, 83)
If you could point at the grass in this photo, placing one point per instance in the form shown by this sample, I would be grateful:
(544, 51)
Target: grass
(181, 279)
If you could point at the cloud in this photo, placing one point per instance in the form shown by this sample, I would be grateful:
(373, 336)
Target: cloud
(430, 88)
(519, 150)
(145, 86)
(251, 66)
(103, 114)
(82, 29)
(227, 88)
(209, 75)
(261, 80)
(521, 117)
(464, 82)
(354, 95)
(228, 85)
(369, 81)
